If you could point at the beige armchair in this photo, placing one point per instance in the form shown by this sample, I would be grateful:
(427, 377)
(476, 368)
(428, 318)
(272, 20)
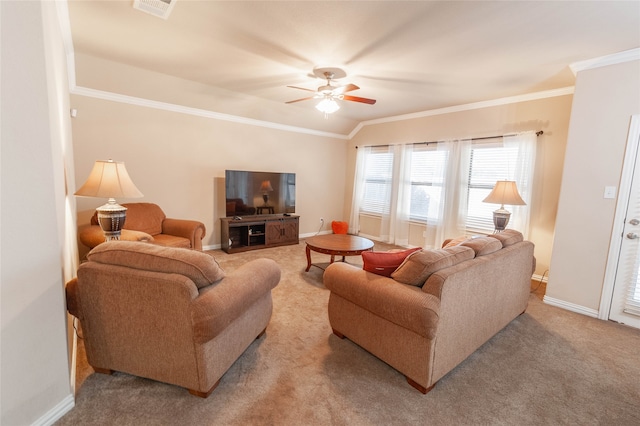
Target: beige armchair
(147, 222)
(169, 314)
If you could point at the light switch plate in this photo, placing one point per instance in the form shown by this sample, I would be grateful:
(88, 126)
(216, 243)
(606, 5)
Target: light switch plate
(609, 192)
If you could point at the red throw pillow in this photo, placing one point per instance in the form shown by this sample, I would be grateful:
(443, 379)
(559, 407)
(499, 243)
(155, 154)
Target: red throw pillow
(339, 227)
(385, 262)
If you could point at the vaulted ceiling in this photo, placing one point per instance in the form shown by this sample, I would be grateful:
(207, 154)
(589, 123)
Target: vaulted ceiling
(238, 57)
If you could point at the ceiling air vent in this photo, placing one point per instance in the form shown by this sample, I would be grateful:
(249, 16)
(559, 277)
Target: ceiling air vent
(159, 8)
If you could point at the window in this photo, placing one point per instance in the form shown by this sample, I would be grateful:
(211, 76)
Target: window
(378, 176)
(441, 185)
(490, 162)
(427, 180)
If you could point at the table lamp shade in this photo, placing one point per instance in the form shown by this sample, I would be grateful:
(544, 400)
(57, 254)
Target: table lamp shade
(504, 192)
(109, 179)
(266, 186)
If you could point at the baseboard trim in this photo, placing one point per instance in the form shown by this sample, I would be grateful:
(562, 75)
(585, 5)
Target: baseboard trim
(56, 413)
(538, 278)
(570, 306)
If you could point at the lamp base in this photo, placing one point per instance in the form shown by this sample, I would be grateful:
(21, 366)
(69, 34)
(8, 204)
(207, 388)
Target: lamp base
(111, 217)
(500, 220)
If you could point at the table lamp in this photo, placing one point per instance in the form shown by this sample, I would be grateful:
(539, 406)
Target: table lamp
(266, 187)
(109, 179)
(504, 192)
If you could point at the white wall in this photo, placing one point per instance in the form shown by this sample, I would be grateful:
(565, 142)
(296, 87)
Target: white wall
(604, 101)
(34, 368)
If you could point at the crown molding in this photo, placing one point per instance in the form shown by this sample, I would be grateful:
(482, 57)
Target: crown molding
(148, 103)
(467, 107)
(603, 61)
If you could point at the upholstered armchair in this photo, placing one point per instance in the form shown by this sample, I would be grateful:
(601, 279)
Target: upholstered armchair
(169, 314)
(147, 222)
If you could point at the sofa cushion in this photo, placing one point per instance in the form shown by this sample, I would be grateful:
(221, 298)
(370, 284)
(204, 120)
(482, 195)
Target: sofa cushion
(508, 237)
(385, 262)
(171, 241)
(201, 268)
(483, 245)
(418, 266)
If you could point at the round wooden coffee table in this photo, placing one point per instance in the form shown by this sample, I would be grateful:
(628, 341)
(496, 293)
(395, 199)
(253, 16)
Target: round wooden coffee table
(337, 245)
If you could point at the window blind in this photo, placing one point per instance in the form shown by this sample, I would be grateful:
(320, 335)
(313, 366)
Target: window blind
(490, 162)
(427, 179)
(378, 177)
(631, 259)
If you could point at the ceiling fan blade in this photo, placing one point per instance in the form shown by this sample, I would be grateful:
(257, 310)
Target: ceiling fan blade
(302, 88)
(357, 99)
(302, 99)
(343, 89)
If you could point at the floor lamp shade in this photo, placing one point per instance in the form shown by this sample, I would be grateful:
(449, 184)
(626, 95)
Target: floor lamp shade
(504, 192)
(109, 179)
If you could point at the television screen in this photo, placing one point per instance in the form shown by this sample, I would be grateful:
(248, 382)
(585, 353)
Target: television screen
(251, 193)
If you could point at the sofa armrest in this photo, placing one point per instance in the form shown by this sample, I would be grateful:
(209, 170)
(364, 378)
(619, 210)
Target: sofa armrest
(92, 235)
(220, 304)
(404, 305)
(192, 230)
(71, 293)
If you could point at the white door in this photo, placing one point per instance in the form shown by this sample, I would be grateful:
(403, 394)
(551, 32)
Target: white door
(625, 302)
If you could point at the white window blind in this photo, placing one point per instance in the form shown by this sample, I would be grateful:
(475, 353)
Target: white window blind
(632, 301)
(630, 261)
(378, 175)
(490, 162)
(427, 180)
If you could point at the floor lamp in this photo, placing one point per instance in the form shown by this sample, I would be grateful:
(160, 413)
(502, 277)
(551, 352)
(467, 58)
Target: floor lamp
(109, 179)
(504, 192)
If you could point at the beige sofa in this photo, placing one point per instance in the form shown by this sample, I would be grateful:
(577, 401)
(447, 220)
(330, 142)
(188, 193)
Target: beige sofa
(437, 307)
(169, 314)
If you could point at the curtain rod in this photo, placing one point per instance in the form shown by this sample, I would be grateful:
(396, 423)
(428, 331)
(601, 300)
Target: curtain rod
(538, 133)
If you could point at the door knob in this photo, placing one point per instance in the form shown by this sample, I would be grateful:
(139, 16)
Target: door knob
(632, 235)
(634, 222)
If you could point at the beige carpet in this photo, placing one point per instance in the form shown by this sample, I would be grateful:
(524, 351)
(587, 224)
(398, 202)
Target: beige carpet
(548, 367)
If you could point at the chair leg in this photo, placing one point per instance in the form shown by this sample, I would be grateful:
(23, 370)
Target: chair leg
(419, 386)
(204, 394)
(106, 371)
(337, 333)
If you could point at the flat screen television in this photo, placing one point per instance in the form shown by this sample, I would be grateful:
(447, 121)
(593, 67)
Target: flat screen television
(249, 193)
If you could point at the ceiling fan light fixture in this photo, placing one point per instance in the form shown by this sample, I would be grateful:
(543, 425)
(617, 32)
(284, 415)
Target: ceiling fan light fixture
(328, 94)
(328, 106)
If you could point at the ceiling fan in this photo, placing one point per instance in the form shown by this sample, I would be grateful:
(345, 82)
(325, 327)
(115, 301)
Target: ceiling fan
(329, 94)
